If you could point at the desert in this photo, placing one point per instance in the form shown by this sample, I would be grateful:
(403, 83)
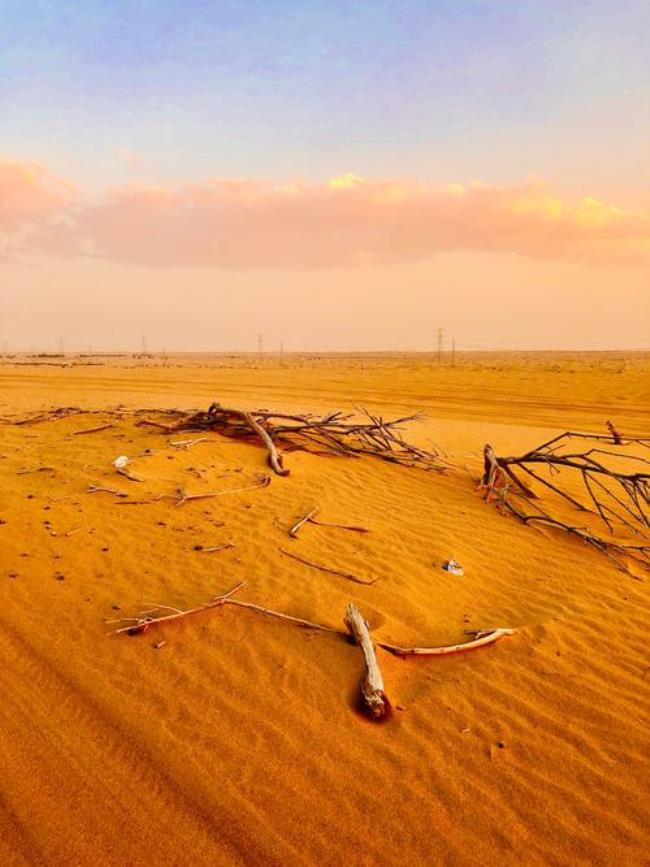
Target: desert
(239, 737)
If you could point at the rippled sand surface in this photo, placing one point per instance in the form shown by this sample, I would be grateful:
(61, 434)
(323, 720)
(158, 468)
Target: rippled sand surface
(238, 741)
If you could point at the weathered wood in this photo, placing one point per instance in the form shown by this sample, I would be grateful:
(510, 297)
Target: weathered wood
(353, 527)
(293, 532)
(274, 456)
(348, 575)
(483, 637)
(372, 686)
(147, 619)
(89, 430)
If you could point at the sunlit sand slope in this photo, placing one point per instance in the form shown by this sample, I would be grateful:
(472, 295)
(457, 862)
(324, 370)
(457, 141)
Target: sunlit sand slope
(239, 741)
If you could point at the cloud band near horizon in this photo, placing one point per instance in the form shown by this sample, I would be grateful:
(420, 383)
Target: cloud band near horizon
(346, 222)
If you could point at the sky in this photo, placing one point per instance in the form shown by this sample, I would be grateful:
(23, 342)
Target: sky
(341, 175)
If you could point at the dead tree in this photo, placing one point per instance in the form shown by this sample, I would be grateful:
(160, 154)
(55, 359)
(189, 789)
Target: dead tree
(335, 433)
(605, 480)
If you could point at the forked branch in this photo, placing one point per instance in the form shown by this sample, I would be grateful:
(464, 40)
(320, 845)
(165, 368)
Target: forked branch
(611, 484)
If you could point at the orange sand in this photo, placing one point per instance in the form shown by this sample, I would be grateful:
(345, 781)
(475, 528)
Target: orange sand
(238, 741)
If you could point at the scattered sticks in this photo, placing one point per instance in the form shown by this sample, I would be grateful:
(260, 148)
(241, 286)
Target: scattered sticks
(348, 575)
(352, 527)
(375, 701)
(335, 433)
(147, 620)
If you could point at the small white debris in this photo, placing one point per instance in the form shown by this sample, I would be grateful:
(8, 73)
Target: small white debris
(453, 567)
(121, 462)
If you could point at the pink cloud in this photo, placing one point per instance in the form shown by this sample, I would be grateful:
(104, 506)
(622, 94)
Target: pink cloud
(348, 221)
(30, 196)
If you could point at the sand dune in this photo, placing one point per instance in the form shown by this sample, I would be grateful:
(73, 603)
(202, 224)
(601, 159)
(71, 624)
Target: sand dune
(239, 741)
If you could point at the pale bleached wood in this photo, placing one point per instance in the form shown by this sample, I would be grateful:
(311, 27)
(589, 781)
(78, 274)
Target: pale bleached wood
(483, 637)
(293, 532)
(372, 686)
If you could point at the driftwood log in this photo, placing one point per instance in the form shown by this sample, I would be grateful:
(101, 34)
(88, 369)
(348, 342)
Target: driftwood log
(374, 698)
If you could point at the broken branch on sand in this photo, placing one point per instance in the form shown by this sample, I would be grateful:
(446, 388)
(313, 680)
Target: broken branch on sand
(97, 489)
(310, 519)
(293, 532)
(147, 619)
(618, 499)
(90, 430)
(217, 548)
(348, 575)
(335, 433)
(181, 497)
(353, 527)
(332, 434)
(482, 637)
(186, 444)
(372, 685)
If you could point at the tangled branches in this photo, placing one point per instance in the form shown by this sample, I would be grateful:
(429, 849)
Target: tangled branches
(606, 483)
(335, 433)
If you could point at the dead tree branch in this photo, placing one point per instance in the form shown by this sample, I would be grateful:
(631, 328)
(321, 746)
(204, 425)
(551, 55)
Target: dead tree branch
(596, 481)
(348, 575)
(374, 697)
(310, 518)
(335, 433)
(147, 620)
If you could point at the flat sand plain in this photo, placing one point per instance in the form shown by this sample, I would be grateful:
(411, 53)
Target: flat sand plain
(238, 741)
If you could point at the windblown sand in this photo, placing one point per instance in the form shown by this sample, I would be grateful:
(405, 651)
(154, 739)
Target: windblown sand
(239, 740)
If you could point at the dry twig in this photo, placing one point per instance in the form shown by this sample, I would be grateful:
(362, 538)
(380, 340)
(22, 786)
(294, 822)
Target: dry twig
(218, 548)
(97, 489)
(310, 519)
(90, 430)
(293, 532)
(348, 575)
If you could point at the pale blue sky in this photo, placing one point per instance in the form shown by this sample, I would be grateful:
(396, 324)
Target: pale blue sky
(446, 90)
